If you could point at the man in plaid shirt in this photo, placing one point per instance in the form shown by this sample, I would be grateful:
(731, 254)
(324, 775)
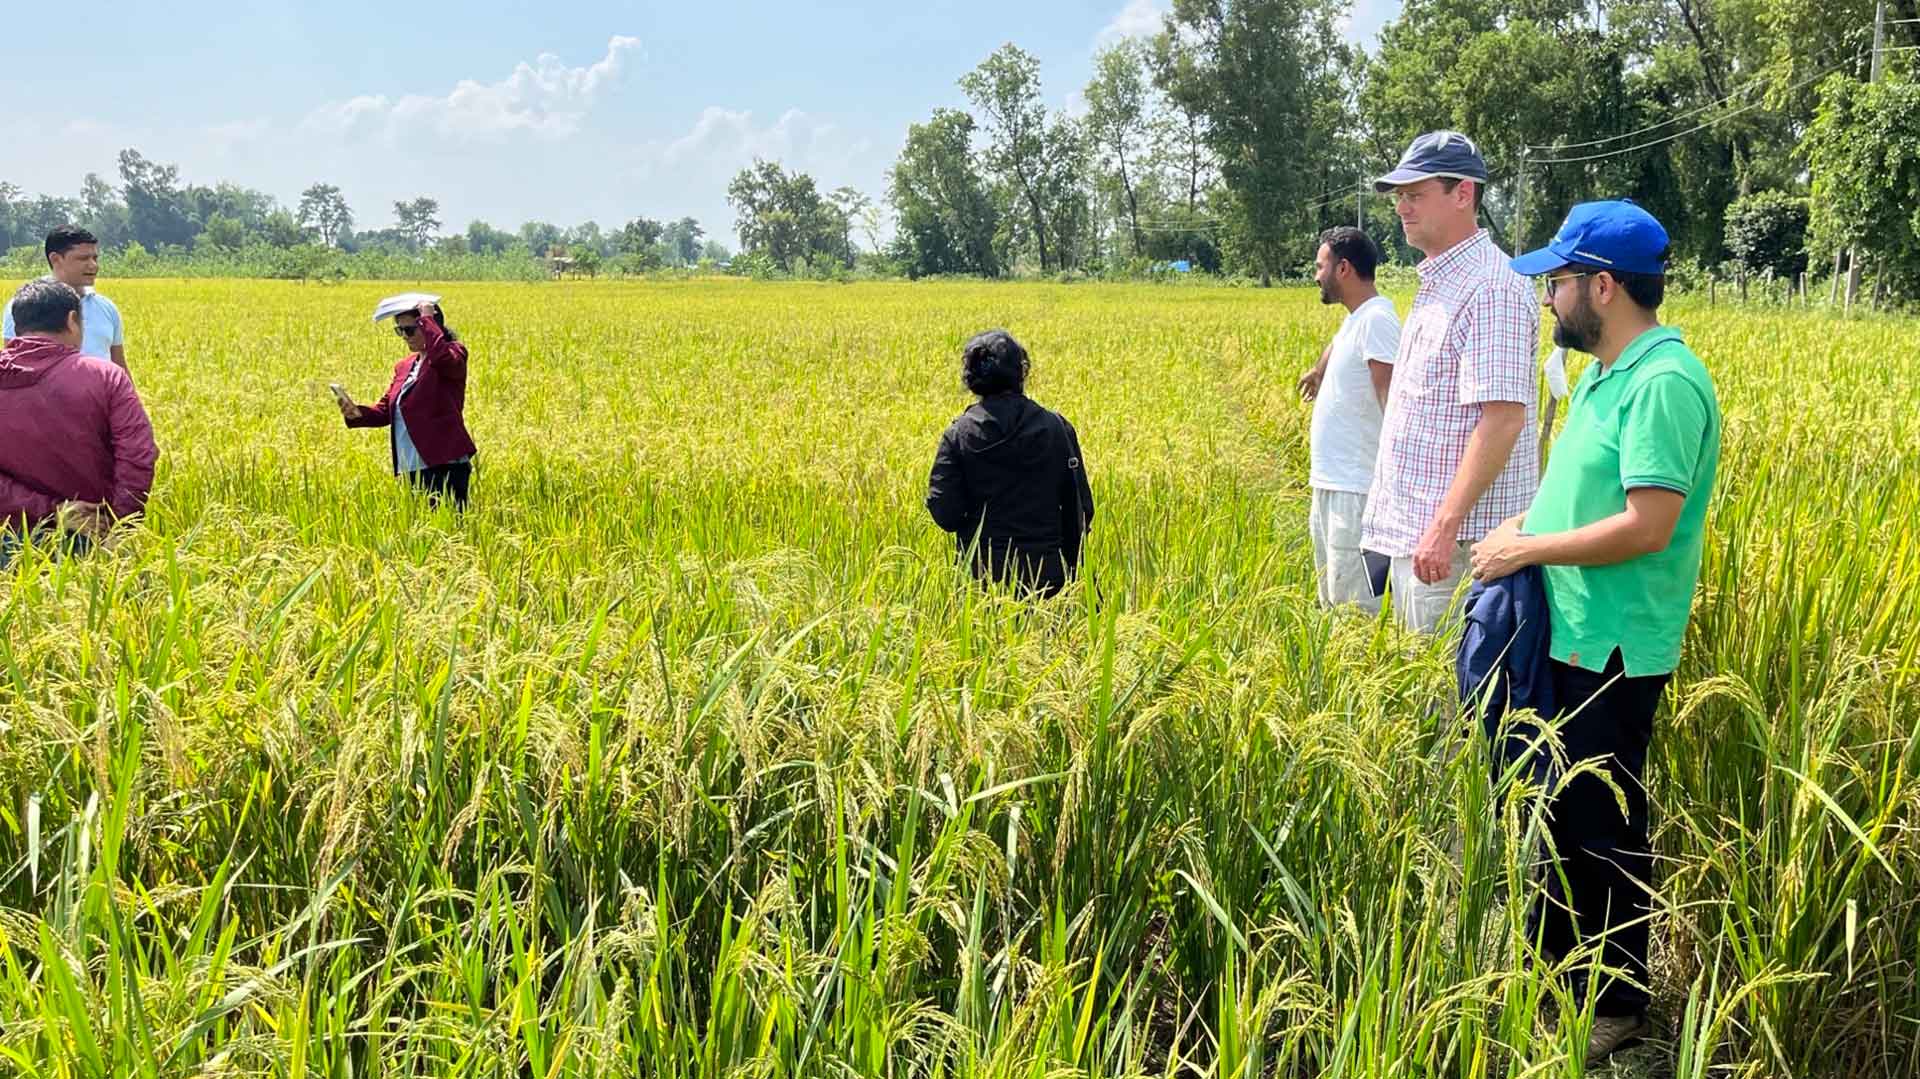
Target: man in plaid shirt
(1455, 458)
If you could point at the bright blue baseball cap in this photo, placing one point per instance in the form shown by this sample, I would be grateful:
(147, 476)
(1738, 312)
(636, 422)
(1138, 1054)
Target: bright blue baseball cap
(1613, 235)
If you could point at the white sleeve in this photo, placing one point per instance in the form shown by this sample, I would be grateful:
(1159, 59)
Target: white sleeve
(6, 321)
(119, 325)
(1380, 340)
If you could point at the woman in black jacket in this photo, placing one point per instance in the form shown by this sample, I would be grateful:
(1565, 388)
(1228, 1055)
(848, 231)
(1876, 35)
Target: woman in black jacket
(1008, 479)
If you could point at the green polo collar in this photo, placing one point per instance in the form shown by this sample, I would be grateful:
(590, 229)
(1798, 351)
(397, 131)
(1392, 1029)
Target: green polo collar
(1637, 350)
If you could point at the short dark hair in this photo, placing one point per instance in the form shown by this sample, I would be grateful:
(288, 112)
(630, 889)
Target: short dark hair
(993, 362)
(67, 237)
(1448, 183)
(438, 316)
(1356, 248)
(1649, 290)
(42, 306)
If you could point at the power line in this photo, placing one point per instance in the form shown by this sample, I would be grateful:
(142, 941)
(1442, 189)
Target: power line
(1669, 122)
(1332, 197)
(1690, 131)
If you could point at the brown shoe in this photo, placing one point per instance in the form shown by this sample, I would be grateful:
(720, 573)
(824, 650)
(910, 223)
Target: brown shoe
(1614, 1032)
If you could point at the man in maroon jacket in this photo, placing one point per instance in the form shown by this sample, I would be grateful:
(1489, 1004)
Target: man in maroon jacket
(76, 448)
(425, 406)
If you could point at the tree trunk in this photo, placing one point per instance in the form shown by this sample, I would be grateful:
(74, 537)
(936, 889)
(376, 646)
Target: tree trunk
(1133, 203)
(1039, 223)
(1193, 167)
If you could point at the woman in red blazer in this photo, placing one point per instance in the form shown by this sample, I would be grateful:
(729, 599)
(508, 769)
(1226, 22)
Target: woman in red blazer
(424, 407)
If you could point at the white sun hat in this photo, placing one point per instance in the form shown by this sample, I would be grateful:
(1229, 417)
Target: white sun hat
(406, 301)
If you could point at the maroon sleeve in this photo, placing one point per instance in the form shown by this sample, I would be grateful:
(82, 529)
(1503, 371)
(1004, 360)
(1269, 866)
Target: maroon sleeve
(17, 500)
(440, 351)
(134, 451)
(381, 415)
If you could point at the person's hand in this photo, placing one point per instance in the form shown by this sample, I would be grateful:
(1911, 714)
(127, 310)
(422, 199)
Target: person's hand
(1502, 554)
(93, 520)
(425, 310)
(1309, 384)
(1433, 558)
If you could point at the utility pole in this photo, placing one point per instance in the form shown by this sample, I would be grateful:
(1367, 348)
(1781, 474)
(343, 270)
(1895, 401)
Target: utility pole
(1520, 205)
(1360, 206)
(1879, 41)
(1873, 75)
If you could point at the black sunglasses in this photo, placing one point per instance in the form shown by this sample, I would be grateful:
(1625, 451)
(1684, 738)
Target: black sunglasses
(405, 330)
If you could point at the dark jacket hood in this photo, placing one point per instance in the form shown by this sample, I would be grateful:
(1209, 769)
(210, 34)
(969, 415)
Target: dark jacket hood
(1009, 429)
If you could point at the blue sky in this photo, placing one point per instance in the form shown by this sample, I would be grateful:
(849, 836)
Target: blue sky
(508, 110)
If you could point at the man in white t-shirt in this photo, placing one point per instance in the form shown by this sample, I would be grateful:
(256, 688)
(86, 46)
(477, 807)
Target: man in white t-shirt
(1348, 389)
(73, 259)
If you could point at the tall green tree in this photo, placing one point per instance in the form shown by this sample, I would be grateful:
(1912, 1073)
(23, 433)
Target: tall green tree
(945, 218)
(221, 233)
(324, 210)
(281, 229)
(157, 212)
(1118, 124)
(417, 220)
(783, 216)
(1248, 67)
(484, 239)
(1064, 181)
(1864, 154)
(540, 237)
(102, 212)
(683, 238)
(1006, 90)
(638, 242)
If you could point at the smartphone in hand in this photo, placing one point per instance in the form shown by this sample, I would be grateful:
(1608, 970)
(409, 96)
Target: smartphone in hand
(340, 394)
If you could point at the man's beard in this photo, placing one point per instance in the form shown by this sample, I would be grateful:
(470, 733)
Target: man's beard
(1580, 330)
(1327, 296)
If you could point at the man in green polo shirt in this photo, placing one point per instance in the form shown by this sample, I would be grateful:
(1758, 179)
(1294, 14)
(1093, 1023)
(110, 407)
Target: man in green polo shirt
(1617, 527)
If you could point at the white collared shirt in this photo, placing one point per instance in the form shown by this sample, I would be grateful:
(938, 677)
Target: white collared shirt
(100, 325)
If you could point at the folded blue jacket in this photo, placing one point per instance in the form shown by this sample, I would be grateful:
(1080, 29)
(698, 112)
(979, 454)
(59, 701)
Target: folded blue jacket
(1505, 655)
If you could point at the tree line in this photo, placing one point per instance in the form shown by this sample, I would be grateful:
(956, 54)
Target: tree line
(1766, 137)
(152, 215)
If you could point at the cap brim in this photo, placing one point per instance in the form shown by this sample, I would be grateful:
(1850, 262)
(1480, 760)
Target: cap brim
(1402, 177)
(406, 301)
(1397, 177)
(1535, 263)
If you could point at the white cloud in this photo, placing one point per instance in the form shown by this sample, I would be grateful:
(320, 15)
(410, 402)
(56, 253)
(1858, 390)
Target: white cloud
(722, 141)
(1140, 18)
(545, 98)
(729, 135)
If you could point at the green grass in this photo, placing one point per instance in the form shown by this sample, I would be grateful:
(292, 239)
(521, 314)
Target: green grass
(689, 753)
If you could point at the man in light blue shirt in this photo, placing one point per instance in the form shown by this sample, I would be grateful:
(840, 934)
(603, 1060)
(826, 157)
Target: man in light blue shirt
(73, 257)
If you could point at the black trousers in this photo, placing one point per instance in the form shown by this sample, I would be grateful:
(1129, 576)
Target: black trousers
(441, 481)
(1604, 856)
(1037, 569)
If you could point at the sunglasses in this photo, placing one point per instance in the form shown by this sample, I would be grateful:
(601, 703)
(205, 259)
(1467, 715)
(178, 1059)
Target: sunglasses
(406, 330)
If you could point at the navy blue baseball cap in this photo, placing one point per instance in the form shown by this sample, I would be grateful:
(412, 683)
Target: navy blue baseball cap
(1611, 235)
(1446, 154)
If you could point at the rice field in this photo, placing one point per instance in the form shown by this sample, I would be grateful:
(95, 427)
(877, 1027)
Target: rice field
(688, 752)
